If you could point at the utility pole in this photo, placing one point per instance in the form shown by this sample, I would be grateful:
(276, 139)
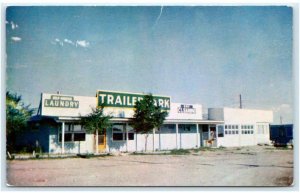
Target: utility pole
(280, 119)
(241, 102)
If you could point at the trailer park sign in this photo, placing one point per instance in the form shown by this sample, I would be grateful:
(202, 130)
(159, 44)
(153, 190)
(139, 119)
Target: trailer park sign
(128, 100)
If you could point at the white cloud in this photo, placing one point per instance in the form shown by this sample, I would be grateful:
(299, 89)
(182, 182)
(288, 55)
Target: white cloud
(157, 19)
(68, 41)
(13, 25)
(16, 39)
(285, 106)
(282, 107)
(82, 43)
(18, 66)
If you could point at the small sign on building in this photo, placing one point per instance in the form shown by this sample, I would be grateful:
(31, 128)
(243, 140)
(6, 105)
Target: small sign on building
(189, 109)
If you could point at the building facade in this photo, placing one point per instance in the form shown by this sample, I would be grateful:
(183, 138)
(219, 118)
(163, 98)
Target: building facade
(57, 125)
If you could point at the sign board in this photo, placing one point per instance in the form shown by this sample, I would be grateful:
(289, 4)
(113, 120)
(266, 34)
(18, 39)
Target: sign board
(61, 101)
(185, 111)
(66, 105)
(189, 109)
(128, 100)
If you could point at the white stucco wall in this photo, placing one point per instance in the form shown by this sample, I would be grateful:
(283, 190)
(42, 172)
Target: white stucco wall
(76, 147)
(247, 115)
(232, 116)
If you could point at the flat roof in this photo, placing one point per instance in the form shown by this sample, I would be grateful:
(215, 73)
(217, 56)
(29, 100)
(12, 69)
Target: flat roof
(170, 121)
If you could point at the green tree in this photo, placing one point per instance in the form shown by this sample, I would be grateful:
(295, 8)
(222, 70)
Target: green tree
(147, 116)
(17, 116)
(96, 122)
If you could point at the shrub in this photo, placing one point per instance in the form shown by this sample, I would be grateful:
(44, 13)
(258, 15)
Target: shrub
(180, 152)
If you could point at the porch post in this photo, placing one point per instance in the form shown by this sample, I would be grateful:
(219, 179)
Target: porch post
(126, 132)
(97, 141)
(63, 138)
(217, 135)
(153, 139)
(176, 135)
(197, 135)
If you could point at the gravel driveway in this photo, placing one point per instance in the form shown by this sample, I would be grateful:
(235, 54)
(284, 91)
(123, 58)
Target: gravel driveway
(248, 166)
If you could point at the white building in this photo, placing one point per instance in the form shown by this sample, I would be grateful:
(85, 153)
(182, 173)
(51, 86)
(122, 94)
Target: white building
(59, 129)
(243, 127)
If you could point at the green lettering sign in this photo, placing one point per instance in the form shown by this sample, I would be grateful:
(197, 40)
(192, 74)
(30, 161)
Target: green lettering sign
(128, 100)
(61, 101)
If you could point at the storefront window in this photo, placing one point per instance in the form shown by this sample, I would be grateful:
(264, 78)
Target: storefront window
(119, 133)
(220, 130)
(73, 132)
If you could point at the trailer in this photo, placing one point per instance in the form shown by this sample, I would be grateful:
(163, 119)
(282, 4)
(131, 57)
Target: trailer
(281, 135)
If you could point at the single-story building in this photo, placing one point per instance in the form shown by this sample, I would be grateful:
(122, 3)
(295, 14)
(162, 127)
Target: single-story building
(57, 126)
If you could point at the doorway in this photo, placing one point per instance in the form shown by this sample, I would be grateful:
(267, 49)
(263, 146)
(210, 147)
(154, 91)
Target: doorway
(102, 141)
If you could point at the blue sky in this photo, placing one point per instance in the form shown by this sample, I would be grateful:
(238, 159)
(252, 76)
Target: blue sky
(205, 55)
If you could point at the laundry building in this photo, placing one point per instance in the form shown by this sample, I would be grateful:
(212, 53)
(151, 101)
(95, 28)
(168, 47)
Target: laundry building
(57, 129)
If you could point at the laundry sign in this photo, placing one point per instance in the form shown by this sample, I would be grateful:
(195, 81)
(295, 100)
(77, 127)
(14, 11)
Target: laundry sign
(116, 99)
(61, 101)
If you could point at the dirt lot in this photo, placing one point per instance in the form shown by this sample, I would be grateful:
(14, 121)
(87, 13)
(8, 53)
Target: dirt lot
(248, 166)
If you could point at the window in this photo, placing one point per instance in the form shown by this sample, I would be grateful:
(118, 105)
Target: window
(79, 136)
(231, 129)
(186, 128)
(119, 132)
(130, 136)
(220, 130)
(167, 128)
(73, 132)
(247, 129)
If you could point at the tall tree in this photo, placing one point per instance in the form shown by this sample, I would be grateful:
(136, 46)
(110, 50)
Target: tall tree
(96, 122)
(17, 116)
(147, 116)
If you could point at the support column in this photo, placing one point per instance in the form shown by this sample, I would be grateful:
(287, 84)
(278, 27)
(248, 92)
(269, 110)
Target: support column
(153, 139)
(126, 130)
(97, 146)
(136, 142)
(197, 135)
(63, 138)
(176, 135)
(217, 135)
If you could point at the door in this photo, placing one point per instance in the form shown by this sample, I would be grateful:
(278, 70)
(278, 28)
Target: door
(102, 141)
(212, 136)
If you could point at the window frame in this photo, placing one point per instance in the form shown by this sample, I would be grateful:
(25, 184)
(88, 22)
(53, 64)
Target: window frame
(130, 132)
(69, 130)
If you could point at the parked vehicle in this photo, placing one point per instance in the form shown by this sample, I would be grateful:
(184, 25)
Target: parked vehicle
(281, 135)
